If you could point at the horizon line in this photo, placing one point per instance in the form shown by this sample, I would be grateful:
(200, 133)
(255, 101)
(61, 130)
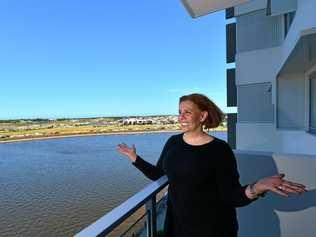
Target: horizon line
(88, 117)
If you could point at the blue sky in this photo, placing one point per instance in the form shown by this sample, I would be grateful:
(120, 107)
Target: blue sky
(106, 58)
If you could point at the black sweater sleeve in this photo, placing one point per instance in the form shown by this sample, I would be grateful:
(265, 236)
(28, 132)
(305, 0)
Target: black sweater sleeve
(227, 178)
(150, 171)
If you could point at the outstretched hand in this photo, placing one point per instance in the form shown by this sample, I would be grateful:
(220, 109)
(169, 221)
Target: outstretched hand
(279, 185)
(128, 151)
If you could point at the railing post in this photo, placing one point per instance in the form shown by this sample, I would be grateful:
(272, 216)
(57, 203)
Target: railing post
(151, 217)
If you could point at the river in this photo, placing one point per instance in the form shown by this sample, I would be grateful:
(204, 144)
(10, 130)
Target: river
(56, 187)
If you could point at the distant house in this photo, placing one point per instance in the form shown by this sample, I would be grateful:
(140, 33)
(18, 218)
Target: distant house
(136, 121)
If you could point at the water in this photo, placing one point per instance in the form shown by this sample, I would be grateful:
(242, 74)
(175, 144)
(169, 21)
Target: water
(57, 187)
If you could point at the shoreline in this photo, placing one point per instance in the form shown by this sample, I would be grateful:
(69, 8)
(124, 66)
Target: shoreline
(93, 134)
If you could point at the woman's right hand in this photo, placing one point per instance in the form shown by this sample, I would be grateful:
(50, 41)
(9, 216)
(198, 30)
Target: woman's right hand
(128, 151)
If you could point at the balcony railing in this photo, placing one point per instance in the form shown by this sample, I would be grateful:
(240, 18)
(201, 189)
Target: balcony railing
(114, 218)
(272, 216)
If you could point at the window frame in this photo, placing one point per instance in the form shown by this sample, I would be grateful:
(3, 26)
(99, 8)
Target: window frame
(308, 98)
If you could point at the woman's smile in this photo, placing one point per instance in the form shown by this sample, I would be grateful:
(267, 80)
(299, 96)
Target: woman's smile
(189, 116)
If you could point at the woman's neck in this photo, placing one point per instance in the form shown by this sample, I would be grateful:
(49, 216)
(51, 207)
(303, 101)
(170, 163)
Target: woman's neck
(194, 134)
(197, 138)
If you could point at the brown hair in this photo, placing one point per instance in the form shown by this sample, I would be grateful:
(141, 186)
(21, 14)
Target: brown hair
(215, 115)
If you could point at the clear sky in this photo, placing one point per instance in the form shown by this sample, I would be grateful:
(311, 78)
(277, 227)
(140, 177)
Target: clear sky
(106, 58)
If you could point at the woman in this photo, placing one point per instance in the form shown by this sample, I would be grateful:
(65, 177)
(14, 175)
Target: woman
(204, 187)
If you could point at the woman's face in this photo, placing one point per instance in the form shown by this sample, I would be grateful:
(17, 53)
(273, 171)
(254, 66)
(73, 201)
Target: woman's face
(190, 116)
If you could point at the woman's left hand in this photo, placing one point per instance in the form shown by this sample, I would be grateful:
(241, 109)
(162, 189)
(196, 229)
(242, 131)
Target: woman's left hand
(279, 185)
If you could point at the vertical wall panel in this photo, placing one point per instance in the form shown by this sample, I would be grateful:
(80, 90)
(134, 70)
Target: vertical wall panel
(230, 12)
(231, 130)
(313, 104)
(258, 31)
(230, 42)
(253, 5)
(279, 7)
(231, 87)
(255, 103)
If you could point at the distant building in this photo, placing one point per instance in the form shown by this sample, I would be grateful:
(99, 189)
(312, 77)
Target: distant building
(136, 121)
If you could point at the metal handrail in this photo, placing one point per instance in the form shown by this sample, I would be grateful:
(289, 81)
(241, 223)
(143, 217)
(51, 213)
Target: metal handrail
(111, 220)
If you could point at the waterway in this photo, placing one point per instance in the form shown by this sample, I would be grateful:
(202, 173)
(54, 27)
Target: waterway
(56, 187)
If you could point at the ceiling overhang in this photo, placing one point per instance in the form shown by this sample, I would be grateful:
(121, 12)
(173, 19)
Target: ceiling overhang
(198, 8)
(303, 55)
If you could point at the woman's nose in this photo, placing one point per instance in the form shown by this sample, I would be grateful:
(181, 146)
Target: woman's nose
(181, 117)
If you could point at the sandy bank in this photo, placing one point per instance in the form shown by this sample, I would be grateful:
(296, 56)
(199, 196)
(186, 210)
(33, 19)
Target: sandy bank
(92, 134)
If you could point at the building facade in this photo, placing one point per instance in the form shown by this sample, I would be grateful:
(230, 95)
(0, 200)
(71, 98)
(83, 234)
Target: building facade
(273, 46)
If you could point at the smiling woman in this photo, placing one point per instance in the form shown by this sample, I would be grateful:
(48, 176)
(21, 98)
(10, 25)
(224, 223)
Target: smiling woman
(204, 188)
(198, 110)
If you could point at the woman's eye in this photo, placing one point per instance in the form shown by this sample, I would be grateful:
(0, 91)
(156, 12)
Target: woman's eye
(185, 112)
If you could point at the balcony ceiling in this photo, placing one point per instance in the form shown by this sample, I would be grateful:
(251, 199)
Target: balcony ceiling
(303, 57)
(198, 8)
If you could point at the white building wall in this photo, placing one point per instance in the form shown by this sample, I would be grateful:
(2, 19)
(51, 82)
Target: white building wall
(279, 7)
(253, 5)
(312, 122)
(257, 66)
(267, 138)
(256, 30)
(256, 137)
(297, 142)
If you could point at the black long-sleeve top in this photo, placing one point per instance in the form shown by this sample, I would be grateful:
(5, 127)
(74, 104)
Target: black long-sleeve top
(203, 190)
